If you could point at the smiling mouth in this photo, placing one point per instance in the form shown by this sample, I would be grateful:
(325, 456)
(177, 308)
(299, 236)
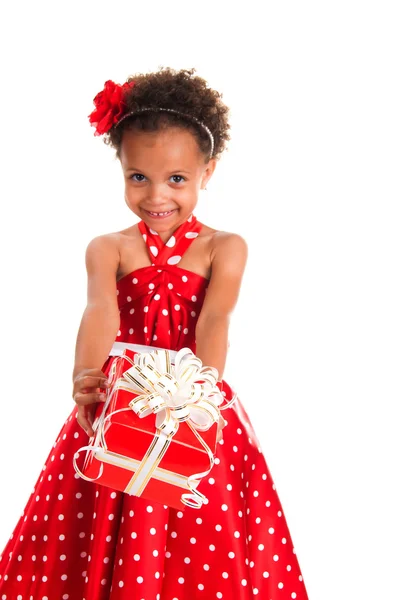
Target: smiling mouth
(160, 214)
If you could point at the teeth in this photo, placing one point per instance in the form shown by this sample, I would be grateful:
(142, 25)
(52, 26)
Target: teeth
(160, 214)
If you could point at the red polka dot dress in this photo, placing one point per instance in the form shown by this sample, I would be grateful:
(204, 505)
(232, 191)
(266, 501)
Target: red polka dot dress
(78, 540)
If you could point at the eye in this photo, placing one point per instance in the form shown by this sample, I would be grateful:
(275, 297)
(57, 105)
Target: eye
(138, 175)
(180, 176)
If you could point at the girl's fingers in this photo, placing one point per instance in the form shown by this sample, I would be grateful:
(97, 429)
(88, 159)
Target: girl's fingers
(85, 424)
(91, 381)
(89, 398)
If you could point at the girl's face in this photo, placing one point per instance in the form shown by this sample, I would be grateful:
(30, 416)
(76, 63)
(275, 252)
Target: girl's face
(163, 173)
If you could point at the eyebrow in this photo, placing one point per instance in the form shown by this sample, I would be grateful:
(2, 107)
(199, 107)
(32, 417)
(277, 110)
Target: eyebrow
(174, 171)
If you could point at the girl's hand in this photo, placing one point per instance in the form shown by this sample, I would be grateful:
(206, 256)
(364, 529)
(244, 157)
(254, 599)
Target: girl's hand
(221, 425)
(87, 393)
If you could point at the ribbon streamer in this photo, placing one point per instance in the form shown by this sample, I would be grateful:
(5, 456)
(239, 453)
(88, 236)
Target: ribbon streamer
(183, 392)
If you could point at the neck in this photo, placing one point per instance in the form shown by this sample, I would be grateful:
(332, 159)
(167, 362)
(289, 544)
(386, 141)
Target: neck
(166, 235)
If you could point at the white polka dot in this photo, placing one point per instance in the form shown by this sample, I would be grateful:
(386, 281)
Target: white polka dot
(170, 286)
(236, 534)
(131, 330)
(212, 547)
(171, 242)
(271, 530)
(108, 538)
(255, 591)
(294, 595)
(181, 580)
(61, 517)
(187, 560)
(193, 540)
(275, 557)
(193, 313)
(193, 298)
(173, 260)
(149, 509)
(219, 595)
(133, 535)
(244, 582)
(177, 307)
(140, 579)
(121, 583)
(137, 557)
(231, 554)
(284, 540)
(135, 280)
(152, 531)
(225, 575)
(157, 296)
(218, 527)
(185, 330)
(80, 515)
(255, 493)
(191, 235)
(265, 574)
(224, 507)
(201, 586)
(154, 250)
(78, 495)
(206, 567)
(62, 557)
(165, 312)
(199, 521)
(261, 546)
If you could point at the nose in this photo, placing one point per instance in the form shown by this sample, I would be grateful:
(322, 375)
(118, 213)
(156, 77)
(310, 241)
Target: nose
(158, 195)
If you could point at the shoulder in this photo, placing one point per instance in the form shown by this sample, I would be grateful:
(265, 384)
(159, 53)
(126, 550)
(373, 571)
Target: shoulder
(229, 252)
(103, 251)
(228, 261)
(225, 241)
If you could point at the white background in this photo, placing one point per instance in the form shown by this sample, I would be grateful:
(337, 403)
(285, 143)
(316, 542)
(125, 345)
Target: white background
(310, 180)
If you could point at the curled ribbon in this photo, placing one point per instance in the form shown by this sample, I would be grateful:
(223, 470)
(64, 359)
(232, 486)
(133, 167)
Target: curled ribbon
(183, 392)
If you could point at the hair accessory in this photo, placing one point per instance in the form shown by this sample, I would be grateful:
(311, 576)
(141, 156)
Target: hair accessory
(110, 110)
(109, 106)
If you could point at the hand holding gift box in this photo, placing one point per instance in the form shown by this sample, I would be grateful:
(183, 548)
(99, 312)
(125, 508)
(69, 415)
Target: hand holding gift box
(156, 434)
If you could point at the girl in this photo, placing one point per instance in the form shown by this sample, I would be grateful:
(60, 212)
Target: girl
(168, 281)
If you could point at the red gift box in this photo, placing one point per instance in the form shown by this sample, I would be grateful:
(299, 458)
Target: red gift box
(156, 456)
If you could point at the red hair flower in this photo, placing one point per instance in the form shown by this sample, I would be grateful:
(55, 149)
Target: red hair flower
(109, 106)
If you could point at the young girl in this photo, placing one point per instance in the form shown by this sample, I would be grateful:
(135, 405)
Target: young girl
(168, 281)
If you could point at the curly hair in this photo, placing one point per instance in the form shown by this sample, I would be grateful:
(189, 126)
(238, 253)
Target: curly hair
(179, 90)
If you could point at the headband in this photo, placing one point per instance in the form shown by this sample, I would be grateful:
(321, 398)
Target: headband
(110, 110)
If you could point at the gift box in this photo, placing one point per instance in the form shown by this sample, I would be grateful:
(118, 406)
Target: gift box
(155, 436)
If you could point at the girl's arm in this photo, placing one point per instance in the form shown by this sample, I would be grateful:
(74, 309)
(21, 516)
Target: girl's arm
(228, 263)
(101, 318)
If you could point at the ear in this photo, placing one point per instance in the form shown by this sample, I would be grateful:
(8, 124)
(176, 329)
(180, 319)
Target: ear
(208, 172)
